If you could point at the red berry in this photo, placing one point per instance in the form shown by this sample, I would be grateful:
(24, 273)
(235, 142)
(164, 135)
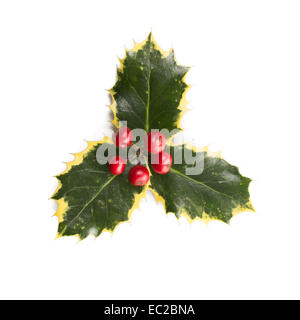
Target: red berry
(138, 175)
(117, 165)
(123, 137)
(155, 142)
(162, 163)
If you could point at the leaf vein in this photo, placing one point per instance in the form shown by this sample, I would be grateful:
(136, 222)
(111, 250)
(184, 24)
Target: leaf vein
(201, 183)
(87, 204)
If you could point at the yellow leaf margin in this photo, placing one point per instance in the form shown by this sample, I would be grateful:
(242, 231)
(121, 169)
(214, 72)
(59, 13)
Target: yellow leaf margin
(138, 46)
(62, 205)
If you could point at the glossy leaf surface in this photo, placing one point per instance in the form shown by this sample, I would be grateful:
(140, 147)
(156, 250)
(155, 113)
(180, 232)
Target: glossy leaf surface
(217, 192)
(150, 88)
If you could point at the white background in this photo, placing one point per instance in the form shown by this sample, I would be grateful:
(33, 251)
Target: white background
(57, 58)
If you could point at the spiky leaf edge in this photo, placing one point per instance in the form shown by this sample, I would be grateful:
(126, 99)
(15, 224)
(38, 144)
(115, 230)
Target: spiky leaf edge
(205, 217)
(62, 205)
(138, 46)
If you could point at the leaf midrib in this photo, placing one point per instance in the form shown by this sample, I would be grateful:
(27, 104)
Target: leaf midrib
(199, 182)
(148, 97)
(88, 203)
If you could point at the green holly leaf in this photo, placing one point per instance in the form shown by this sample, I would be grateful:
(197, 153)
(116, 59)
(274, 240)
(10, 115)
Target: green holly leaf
(149, 92)
(91, 199)
(219, 191)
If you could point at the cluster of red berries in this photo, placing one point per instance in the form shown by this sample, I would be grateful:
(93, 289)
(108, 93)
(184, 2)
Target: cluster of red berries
(138, 174)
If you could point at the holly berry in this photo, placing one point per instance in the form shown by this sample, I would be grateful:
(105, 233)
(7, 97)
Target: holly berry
(123, 137)
(138, 175)
(162, 163)
(117, 165)
(155, 142)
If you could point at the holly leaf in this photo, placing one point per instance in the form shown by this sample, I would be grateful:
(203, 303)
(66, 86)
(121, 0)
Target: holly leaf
(219, 191)
(91, 199)
(149, 92)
